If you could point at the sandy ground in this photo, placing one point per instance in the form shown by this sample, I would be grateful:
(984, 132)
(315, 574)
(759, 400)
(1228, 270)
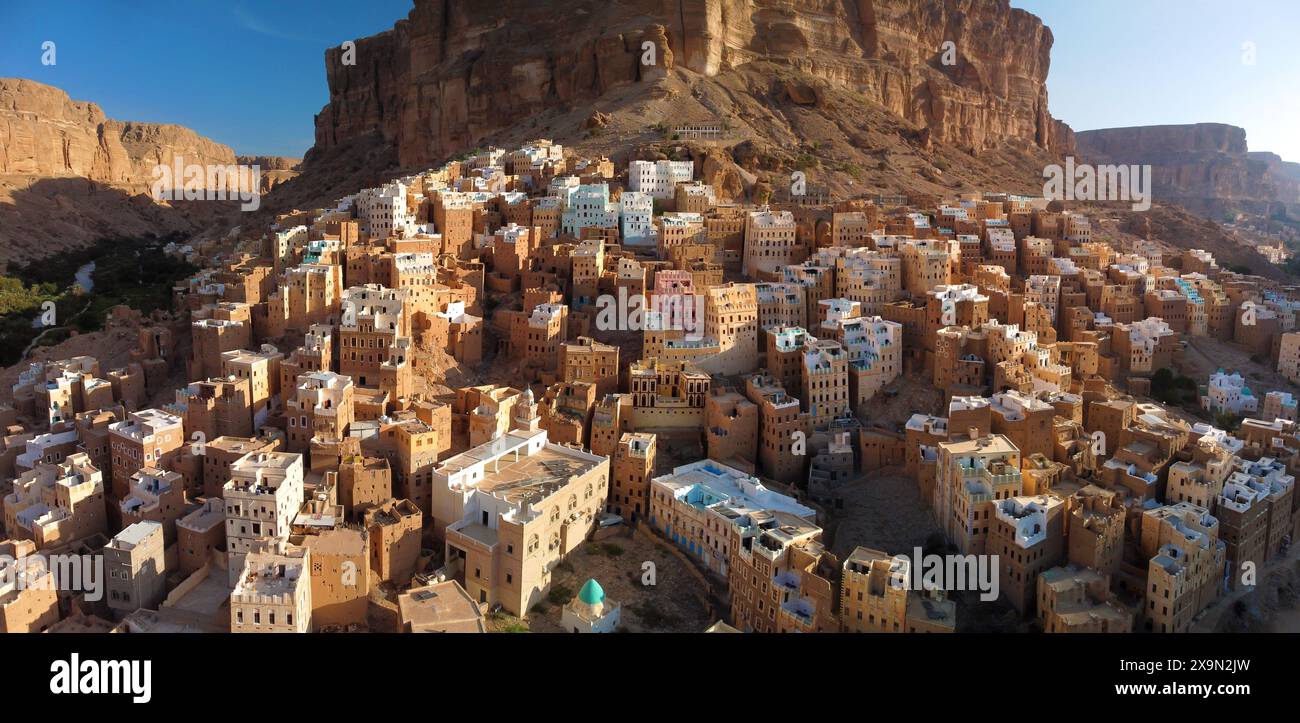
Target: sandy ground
(1205, 356)
(675, 603)
(882, 512)
(1272, 606)
(911, 393)
(886, 512)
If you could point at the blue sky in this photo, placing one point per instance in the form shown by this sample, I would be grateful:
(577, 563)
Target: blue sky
(1151, 62)
(250, 73)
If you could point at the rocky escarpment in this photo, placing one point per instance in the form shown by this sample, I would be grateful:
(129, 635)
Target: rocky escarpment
(455, 71)
(69, 174)
(273, 170)
(44, 133)
(1285, 173)
(1203, 165)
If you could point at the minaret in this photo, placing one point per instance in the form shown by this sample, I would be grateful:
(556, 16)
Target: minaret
(526, 419)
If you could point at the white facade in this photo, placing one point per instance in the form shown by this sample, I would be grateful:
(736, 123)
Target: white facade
(263, 496)
(1229, 393)
(588, 206)
(636, 216)
(383, 211)
(380, 306)
(659, 178)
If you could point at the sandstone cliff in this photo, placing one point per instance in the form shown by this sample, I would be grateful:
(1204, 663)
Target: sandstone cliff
(44, 133)
(69, 174)
(1205, 166)
(454, 71)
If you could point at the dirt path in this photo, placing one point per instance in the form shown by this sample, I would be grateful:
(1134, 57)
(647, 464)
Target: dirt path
(1282, 620)
(36, 341)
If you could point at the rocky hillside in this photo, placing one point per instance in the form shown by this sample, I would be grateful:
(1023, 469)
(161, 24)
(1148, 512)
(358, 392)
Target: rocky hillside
(1204, 166)
(456, 73)
(69, 174)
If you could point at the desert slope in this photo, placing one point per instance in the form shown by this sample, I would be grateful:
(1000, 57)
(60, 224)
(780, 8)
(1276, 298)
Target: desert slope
(69, 174)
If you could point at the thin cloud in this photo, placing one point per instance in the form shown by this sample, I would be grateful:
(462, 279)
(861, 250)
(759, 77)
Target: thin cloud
(254, 24)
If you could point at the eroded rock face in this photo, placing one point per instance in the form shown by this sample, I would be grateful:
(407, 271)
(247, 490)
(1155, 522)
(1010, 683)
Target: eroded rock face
(1197, 163)
(455, 71)
(70, 175)
(44, 133)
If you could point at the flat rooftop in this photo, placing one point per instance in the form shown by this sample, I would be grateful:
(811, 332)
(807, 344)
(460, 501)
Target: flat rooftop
(443, 607)
(204, 518)
(134, 535)
(336, 542)
(708, 483)
(533, 477)
(989, 444)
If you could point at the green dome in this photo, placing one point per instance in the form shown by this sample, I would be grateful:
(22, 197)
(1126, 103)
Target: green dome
(592, 593)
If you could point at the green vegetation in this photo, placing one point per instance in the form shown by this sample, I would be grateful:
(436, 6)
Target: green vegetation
(130, 271)
(559, 595)
(467, 155)
(652, 616)
(604, 548)
(1227, 421)
(805, 161)
(15, 298)
(503, 623)
(853, 170)
(1171, 389)
(20, 306)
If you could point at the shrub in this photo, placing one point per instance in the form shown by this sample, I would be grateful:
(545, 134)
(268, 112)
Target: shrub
(559, 595)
